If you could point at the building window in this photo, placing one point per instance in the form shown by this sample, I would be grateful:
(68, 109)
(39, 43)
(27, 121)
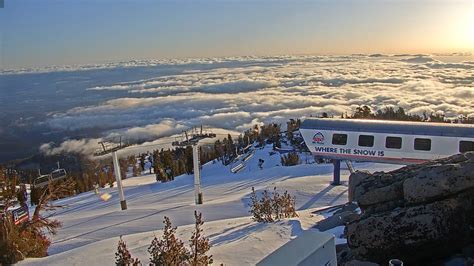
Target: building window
(366, 141)
(422, 144)
(465, 146)
(393, 142)
(339, 139)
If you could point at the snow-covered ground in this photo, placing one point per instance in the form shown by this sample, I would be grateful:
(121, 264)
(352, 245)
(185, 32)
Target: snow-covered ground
(91, 227)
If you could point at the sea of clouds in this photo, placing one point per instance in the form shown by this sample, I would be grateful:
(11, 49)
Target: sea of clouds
(243, 91)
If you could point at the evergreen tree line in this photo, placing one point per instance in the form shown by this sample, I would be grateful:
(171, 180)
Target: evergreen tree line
(399, 114)
(170, 163)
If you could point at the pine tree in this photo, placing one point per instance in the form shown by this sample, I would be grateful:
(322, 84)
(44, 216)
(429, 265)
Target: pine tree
(199, 244)
(29, 239)
(123, 256)
(266, 207)
(189, 159)
(276, 204)
(142, 161)
(110, 177)
(288, 205)
(168, 250)
(255, 208)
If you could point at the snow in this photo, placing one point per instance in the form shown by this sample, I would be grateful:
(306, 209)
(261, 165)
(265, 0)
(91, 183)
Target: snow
(91, 227)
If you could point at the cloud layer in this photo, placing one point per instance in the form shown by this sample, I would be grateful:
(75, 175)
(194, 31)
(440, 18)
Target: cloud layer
(264, 89)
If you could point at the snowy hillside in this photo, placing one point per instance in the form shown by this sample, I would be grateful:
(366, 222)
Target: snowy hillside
(91, 227)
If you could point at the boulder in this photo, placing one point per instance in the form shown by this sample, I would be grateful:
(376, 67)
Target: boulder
(417, 213)
(336, 220)
(439, 182)
(354, 180)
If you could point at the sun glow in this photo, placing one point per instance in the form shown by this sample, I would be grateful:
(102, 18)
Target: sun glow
(461, 29)
(472, 25)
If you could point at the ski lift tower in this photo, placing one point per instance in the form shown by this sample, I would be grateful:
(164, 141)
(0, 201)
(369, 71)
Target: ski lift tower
(107, 148)
(193, 141)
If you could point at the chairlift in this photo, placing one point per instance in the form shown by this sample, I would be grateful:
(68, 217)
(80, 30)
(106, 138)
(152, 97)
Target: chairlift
(55, 175)
(58, 174)
(42, 181)
(111, 146)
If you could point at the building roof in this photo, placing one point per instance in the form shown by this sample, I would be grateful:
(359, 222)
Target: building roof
(394, 127)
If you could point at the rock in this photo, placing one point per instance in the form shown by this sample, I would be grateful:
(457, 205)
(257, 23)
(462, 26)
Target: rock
(414, 233)
(350, 206)
(341, 215)
(336, 220)
(439, 182)
(343, 254)
(414, 183)
(417, 213)
(354, 180)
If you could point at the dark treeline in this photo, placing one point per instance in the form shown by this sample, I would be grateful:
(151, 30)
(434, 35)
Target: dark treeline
(399, 114)
(173, 162)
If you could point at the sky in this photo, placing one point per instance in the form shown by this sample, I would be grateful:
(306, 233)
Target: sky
(52, 32)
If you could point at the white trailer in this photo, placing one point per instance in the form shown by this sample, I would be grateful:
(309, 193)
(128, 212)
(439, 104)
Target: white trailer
(393, 142)
(386, 141)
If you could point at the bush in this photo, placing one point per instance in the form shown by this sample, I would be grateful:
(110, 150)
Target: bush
(123, 256)
(272, 208)
(290, 159)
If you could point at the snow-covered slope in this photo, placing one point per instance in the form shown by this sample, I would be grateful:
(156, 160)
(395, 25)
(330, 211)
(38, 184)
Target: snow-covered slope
(91, 227)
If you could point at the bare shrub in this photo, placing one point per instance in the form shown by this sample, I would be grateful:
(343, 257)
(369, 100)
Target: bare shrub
(272, 208)
(291, 159)
(288, 205)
